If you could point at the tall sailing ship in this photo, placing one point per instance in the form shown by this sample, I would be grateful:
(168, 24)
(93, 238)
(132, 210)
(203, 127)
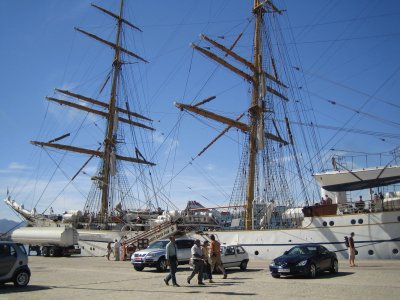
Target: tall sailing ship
(275, 203)
(125, 196)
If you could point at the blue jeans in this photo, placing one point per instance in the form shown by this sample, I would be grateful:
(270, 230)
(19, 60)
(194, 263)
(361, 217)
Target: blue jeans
(173, 266)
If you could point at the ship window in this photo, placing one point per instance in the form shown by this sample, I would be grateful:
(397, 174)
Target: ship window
(398, 218)
(331, 223)
(395, 251)
(256, 252)
(371, 252)
(324, 223)
(360, 221)
(353, 221)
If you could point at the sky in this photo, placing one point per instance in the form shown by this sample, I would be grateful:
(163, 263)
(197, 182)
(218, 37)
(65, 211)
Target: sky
(347, 52)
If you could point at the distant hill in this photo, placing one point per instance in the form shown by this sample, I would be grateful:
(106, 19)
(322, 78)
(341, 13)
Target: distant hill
(6, 225)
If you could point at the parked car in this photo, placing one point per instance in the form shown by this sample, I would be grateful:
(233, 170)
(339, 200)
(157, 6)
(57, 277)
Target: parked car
(234, 256)
(154, 255)
(308, 259)
(14, 264)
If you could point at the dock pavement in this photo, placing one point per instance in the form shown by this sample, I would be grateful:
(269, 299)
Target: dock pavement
(97, 278)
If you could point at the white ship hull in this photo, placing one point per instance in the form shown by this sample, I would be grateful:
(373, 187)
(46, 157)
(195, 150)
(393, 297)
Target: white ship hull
(377, 236)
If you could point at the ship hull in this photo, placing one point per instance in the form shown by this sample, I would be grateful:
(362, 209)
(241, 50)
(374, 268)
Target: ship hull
(377, 236)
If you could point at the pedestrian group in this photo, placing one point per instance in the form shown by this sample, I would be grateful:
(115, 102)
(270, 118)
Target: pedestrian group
(204, 259)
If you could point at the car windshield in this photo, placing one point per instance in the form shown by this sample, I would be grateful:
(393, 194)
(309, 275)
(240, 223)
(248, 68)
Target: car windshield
(301, 250)
(158, 245)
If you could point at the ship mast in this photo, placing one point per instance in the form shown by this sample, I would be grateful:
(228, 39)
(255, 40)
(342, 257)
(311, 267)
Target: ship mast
(256, 115)
(109, 141)
(257, 78)
(109, 154)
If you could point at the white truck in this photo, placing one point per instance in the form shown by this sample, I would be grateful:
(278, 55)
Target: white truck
(49, 241)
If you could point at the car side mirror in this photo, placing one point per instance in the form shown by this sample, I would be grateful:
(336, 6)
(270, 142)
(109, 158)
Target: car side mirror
(285, 253)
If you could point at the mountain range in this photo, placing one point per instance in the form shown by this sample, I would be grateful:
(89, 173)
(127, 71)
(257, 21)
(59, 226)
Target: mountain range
(9, 225)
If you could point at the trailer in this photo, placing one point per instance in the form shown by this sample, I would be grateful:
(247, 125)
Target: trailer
(48, 241)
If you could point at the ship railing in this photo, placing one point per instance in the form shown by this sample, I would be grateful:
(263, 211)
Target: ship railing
(346, 208)
(368, 206)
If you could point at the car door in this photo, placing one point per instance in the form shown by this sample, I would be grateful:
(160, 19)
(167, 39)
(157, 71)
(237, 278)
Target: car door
(8, 258)
(241, 254)
(324, 258)
(228, 256)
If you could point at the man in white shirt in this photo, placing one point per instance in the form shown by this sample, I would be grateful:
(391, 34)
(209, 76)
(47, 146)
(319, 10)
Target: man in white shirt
(117, 246)
(171, 255)
(198, 263)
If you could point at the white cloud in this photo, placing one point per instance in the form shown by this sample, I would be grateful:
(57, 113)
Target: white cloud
(210, 167)
(18, 166)
(15, 167)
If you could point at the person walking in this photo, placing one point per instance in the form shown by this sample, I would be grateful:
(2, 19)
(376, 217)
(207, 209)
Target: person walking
(171, 255)
(198, 263)
(215, 255)
(352, 250)
(117, 245)
(207, 264)
(109, 250)
(123, 251)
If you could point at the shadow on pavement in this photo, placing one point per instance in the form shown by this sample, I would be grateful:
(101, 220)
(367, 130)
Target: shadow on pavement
(10, 288)
(319, 276)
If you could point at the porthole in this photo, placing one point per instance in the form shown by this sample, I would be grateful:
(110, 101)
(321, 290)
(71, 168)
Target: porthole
(324, 223)
(256, 252)
(353, 222)
(331, 223)
(360, 221)
(395, 251)
(371, 252)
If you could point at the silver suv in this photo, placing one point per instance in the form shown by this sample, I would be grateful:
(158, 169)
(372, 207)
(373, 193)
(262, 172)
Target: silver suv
(14, 264)
(154, 255)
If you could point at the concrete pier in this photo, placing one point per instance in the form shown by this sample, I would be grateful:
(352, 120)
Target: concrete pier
(97, 278)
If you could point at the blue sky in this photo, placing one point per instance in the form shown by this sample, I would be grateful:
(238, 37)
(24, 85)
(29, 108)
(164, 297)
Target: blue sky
(348, 53)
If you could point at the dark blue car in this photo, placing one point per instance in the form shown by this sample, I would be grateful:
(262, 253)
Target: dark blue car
(308, 259)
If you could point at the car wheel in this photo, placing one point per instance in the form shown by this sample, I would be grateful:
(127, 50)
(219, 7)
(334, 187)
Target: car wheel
(243, 265)
(335, 267)
(53, 252)
(313, 271)
(162, 265)
(45, 251)
(21, 279)
(275, 275)
(138, 268)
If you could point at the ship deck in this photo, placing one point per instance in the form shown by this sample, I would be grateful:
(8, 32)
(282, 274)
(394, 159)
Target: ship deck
(97, 278)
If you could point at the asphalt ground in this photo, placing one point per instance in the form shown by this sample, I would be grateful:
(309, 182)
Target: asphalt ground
(97, 278)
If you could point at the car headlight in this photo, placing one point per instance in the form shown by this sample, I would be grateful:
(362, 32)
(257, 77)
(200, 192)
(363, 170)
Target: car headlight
(302, 263)
(150, 255)
(272, 264)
